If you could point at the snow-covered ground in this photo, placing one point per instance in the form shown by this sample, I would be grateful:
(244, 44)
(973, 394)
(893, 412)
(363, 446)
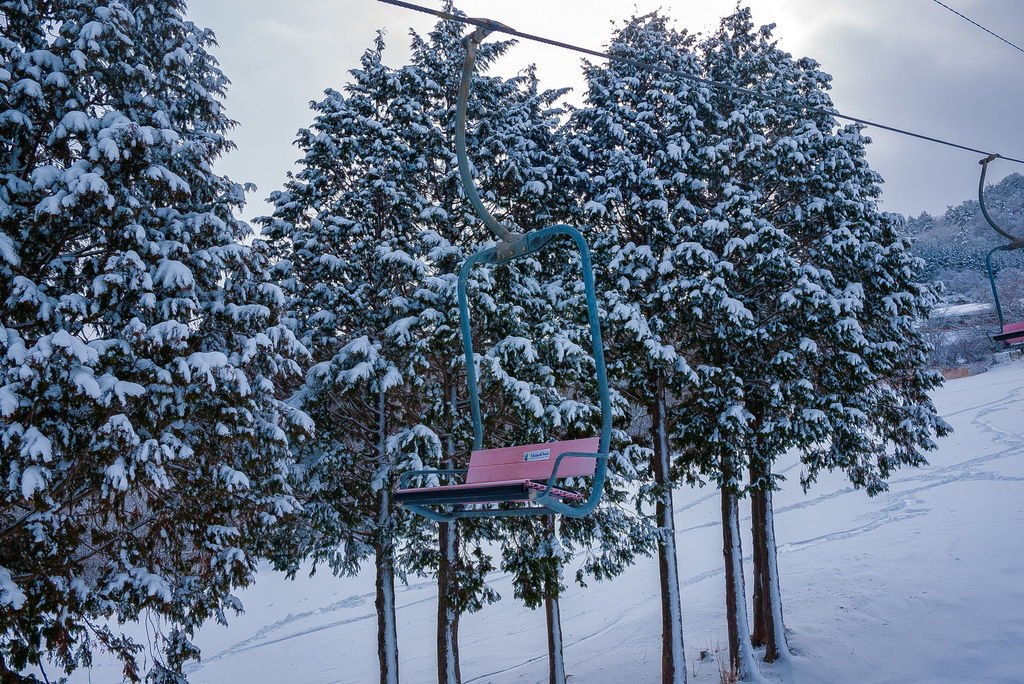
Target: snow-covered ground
(922, 584)
(956, 310)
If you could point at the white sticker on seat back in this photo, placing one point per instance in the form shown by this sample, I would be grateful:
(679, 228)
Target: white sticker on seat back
(537, 455)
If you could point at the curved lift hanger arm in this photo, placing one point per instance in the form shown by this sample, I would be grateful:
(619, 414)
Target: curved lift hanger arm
(471, 43)
(1016, 242)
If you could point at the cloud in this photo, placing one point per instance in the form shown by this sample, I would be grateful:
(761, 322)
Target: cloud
(910, 64)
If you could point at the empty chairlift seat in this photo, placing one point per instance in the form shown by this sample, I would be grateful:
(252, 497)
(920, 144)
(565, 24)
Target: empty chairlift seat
(1012, 334)
(524, 474)
(518, 473)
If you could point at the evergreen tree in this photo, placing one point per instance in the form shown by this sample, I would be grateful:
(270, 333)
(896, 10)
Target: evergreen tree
(637, 139)
(369, 237)
(826, 356)
(738, 233)
(529, 325)
(458, 560)
(145, 453)
(351, 256)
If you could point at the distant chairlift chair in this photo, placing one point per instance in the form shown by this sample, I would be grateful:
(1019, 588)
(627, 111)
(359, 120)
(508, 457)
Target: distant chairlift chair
(525, 474)
(1010, 334)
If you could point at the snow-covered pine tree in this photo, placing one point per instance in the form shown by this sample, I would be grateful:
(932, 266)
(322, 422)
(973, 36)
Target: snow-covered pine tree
(144, 451)
(537, 375)
(521, 330)
(826, 356)
(637, 139)
(351, 257)
(537, 370)
(459, 560)
(750, 133)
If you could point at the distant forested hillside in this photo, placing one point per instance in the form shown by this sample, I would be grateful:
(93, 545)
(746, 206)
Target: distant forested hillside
(955, 243)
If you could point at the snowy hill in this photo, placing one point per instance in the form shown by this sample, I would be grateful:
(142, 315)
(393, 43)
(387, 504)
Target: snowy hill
(922, 584)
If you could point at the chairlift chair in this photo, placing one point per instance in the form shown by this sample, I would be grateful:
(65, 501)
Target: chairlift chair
(528, 473)
(1011, 333)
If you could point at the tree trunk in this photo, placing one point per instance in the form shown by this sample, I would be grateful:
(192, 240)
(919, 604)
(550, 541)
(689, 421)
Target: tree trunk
(741, 651)
(776, 646)
(673, 655)
(759, 630)
(556, 659)
(448, 669)
(768, 624)
(384, 560)
(387, 632)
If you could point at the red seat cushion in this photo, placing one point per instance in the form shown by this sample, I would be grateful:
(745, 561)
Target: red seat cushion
(1012, 333)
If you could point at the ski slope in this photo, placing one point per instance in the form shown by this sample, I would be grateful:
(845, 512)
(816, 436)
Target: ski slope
(922, 584)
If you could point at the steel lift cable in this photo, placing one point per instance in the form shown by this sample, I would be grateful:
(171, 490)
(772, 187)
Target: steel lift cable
(971, 21)
(497, 27)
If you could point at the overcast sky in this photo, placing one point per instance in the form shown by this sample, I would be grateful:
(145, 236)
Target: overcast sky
(908, 63)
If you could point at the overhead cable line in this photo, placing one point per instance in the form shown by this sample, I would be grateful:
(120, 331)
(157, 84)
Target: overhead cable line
(718, 85)
(988, 31)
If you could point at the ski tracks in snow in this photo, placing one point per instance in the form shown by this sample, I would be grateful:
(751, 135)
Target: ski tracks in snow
(606, 628)
(902, 502)
(260, 638)
(905, 503)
